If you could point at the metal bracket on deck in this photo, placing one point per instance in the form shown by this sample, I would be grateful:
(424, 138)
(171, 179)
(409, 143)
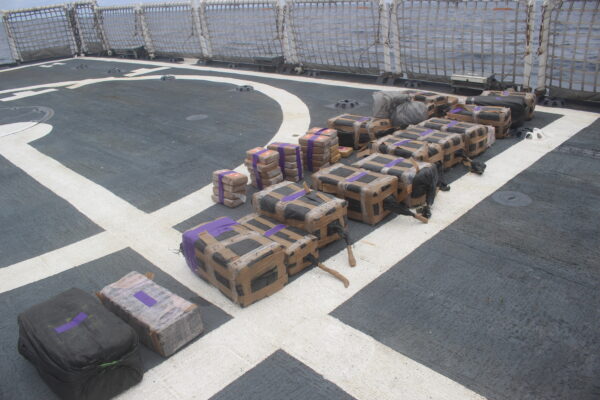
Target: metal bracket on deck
(388, 78)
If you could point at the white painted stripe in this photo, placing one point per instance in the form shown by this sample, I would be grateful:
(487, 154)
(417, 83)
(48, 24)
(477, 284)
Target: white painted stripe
(57, 261)
(11, 129)
(365, 368)
(27, 93)
(51, 65)
(142, 71)
(31, 65)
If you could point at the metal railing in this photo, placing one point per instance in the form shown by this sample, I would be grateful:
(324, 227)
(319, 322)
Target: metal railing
(555, 46)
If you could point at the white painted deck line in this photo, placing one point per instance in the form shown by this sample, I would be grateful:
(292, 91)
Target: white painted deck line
(143, 71)
(27, 93)
(33, 65)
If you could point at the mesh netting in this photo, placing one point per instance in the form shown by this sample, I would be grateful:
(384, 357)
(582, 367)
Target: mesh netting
(243, 30)
(440, 37)
(172, 29)
(570, 49)
(89, 28)
(122, 27)
(41, 33)
(6, 56)
(341, 35)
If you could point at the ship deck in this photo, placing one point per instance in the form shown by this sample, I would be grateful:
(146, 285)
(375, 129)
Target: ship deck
(103, 165)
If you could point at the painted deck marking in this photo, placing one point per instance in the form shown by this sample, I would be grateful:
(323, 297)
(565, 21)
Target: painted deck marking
(142, 71)
(27, 93)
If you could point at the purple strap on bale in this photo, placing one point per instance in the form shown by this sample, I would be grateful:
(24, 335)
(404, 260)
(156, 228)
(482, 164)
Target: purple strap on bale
(145, 298)
(498, 98)
(356, 177)
(394, 162)
(214, 228)
(221, 190)
(293, 196)
(427, 132)
(478, 108)
(309, 152)
(281, 151)
(456, 110)
(363, 119)
(299, 162)
(451, 124)
(274, 230)
(79, 318)
(505, 93)
(400, 143)
(255, 167)
(320, 131)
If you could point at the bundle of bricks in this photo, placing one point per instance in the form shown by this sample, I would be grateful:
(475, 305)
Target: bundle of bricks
(475, 135)
(290, 160)
(263, 166)
(334, 149)
(316, 151)
(244, 265)
(229, 187)
(530, 98)
(452, 144)
(497, 117)
(408, 148)
(437, 104)
(356, 131)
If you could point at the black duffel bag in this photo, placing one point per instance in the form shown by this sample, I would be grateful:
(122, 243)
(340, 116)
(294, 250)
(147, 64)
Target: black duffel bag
(80, 349)
(518, 106)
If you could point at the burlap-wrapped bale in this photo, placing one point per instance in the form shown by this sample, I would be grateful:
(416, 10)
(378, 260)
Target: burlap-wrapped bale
(290, 160)
(475, 136)
(452, 144)
(407, 148)
(400, 109)
(301, 248)
(437, 102)
(164, 321)
(316, 151)
(355, 130)
(417, 180)
(244, 265)
(518, 106)
(317, 213)
(80, 349)
(496, 117)
(530, 99)
(371, 196)
(229, 187)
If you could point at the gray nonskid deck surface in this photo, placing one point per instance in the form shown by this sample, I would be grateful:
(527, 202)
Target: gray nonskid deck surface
(505, 300)
(19, 379)
(33, 220)
(281, 376)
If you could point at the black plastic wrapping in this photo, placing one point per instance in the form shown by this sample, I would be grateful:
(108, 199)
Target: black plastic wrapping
(518, 106)
(94, 357)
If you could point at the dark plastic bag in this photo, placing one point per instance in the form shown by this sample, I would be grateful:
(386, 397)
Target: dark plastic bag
(518, 106)
(80, 349)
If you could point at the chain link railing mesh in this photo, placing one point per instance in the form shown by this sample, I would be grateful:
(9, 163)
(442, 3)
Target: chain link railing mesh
(122, 27)
(569, 49)
(41, 33)
(172, 29)
(440, 37)
(242, 30)
(88, 25)
(338, 35)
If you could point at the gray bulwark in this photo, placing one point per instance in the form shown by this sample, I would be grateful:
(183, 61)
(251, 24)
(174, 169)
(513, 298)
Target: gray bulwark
(505, 300)
(281, 376)
(18, 377)
(33, 220)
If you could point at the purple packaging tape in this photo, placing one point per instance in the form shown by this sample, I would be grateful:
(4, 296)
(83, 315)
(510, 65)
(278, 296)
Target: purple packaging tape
(221, 190)
(356, 177)
(400, 143)
(451, 124)
(293, 196)
(505, 93)
(145, 298)
(478, 108)
(79, 318)
(214, 228)
(427, 132)
(363, 119)
(456, 110)
(274, 230)
(309, 152)
(498, 98)
(255, 167)
(394, 162)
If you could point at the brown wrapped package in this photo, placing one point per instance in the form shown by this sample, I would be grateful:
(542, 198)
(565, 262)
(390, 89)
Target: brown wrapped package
(290, 160)
(530, 98)
(474, 135)
(356, 131)
(243, 264)
(229, 188)
(407, 148)
(498, 117)
(452, 144)
(263, 166)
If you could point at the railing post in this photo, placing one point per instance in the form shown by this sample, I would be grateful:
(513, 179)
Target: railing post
(16, 54)
(290, 51)
(199, 19)
(542, 51)
(395, 35)
(384, 35)
(145, 34)
(528, 46)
